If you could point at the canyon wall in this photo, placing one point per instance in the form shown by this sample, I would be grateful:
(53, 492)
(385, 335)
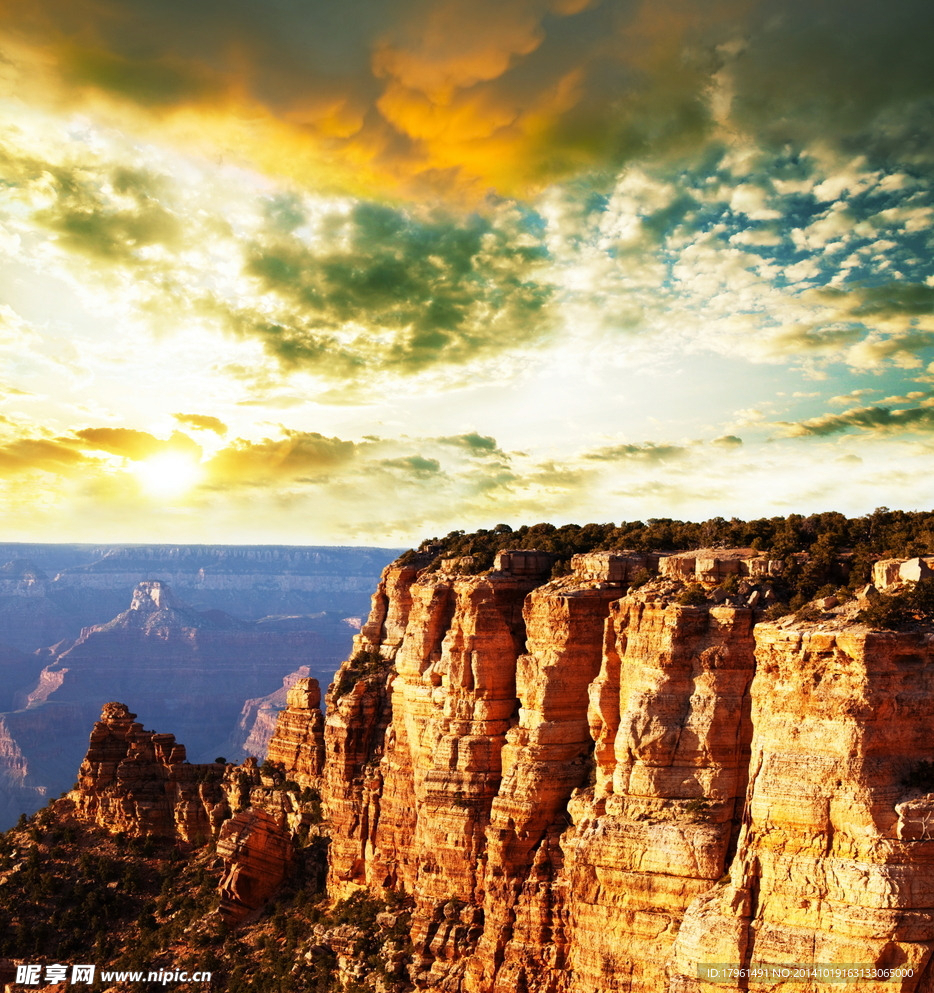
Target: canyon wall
(588, 787)
(584, 785)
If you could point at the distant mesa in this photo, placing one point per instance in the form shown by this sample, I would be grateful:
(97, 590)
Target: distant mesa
(153, 595)
(192, 669)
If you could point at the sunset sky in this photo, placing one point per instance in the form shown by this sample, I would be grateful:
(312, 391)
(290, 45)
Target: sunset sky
(369, 271)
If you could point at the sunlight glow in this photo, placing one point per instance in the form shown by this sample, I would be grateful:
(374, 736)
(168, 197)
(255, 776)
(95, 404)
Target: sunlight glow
(169, 475)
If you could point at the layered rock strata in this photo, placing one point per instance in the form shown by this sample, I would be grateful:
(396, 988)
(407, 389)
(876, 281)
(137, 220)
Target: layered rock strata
(834, 855)
(138, 782)
(258, 718)
(609, 790)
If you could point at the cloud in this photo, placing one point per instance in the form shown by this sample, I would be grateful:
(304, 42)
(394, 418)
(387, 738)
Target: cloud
(384, 290)
(151, 82)
(443, 96)
(473, 443)
(874, 420)
(88, 221)
(895, 298)
(848, 399)
(133, 444)
(297, 455)
(28, 454)
(415, 464)
(648, 451)
(202, 422)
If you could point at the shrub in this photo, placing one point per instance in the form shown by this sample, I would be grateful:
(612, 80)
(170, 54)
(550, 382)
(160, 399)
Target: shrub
(641, 577)
(895, 611)
(693, 596)
(697, 808)
(363, 664)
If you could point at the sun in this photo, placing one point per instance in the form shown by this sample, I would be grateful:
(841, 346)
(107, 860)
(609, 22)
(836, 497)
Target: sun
(169, 475)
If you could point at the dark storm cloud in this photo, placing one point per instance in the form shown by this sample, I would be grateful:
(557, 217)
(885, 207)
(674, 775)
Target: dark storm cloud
(387, 290)
(515, 91)
(163, 81)
(859, 73)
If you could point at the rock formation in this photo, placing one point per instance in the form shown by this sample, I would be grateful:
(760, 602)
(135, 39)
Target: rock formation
(297, 743)
(191, 669)
(139, 783)
(585, 784)
(620, 787)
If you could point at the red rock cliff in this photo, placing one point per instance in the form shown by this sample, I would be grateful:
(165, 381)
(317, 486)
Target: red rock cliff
(587, 790)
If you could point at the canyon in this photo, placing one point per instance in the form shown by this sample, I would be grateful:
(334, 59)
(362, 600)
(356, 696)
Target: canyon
(592, 782)
(82, 624)
(49, 592)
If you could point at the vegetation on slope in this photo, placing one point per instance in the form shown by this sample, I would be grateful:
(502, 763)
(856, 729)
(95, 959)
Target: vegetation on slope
(72, 893)
(838, 548)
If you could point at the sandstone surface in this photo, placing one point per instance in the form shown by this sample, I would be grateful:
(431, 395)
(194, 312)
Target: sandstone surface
(139, 782)
(833, 858)
(586, 787)
(616, 789)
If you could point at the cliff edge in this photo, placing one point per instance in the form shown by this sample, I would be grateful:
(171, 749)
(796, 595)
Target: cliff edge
(619, 778)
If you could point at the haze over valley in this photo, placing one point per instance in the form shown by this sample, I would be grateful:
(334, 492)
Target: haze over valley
(189, 633)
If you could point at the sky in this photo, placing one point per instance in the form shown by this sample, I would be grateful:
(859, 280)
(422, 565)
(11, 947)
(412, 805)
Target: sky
(370, 271)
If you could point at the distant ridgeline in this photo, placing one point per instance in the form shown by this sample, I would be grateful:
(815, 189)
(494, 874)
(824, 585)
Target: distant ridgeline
(51, 591)
(815, 551)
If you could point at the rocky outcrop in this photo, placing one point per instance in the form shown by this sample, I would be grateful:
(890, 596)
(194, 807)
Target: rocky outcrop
(139, 783)
(615, 567)
(890, 572)
(192, 669)
(712, 565)
(297, 742)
